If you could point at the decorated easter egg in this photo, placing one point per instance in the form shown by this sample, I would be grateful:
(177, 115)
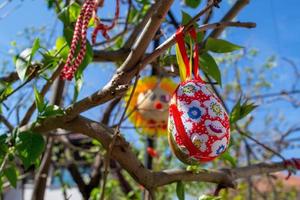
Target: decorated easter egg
(149, 106)
(198, 123)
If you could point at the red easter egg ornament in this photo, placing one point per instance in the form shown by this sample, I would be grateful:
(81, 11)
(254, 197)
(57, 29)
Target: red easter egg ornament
(198, 125)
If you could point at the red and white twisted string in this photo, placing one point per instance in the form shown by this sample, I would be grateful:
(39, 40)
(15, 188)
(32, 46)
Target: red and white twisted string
(89, 9)
(104, 28)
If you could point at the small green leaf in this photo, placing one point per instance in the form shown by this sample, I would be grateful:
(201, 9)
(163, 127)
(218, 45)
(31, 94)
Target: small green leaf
(209, 197)
(185, 18)
(235, 113)
(180, 190)
(133, 15)
(229, 158)
(11, 175)
(53, 110)
(210, 67)
(29, 146)
(78, 86)
(68, 34)
(69, 14)
(22, 63)
(200, 36)
(192, 3)
(50, 59)
(5, 89)
(240, 111)
(220, 46)
(39, 100)
(62, 47)
(36, 45)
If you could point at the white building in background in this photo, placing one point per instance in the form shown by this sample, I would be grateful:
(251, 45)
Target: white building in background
(52, 193)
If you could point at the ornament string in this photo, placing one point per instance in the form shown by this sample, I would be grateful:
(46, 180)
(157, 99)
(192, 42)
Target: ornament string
(105, 28)
(89, 10)
(294, 163)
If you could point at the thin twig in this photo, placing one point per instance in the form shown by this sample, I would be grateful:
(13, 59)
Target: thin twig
(6, 123)
(259, 143)
(116, 133)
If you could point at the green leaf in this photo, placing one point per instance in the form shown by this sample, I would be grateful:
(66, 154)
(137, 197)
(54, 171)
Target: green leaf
(78, 86)
(235, 113)
(11, 175)
(36, 45)
(69, 14)
(192, 3)
(68, 34)
(185, 18)
(53, 110)
(210, 67)
(50, 59)
(29, 146)
(209, 197)
(5, 89)
(133, 15)
(180, 190)
(220, 46)
(62, 47)
(200, 36)
(22, 63)
(229, 158)
(240, 111)
(39, 100)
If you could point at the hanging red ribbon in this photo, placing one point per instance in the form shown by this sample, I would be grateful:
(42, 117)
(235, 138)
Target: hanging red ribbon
(181, 44)
(181, 131)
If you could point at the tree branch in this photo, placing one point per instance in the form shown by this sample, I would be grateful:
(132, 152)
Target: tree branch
(10, 78)
(6, 123)
(225, 176)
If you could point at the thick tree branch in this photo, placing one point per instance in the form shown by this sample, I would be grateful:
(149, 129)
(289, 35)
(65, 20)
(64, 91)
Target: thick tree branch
(225, 176)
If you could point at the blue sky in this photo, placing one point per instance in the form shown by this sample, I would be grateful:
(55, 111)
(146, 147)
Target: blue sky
(277, 33)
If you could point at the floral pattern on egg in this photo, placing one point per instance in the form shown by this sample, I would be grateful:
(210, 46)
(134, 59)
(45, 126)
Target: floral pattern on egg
(215, 128)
